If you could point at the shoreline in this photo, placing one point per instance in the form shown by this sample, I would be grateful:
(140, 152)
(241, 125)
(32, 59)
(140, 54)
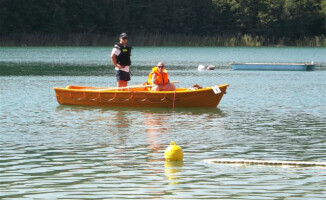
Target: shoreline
(159, 40)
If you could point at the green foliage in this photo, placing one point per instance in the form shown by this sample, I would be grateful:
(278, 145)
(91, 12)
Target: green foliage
(251, 22)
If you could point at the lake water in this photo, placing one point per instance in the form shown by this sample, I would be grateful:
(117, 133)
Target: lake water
(50, 151)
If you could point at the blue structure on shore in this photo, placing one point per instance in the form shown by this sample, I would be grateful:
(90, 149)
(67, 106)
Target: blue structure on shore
(274, 66)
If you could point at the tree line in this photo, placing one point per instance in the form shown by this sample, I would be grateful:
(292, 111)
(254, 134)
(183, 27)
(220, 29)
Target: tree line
(269, 21)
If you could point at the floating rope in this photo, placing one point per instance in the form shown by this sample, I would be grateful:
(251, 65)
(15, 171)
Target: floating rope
(267, 162)
(94, 99)
(159, 100)
(140, 100)
(108, 100)
(131, 96)
(80, 99)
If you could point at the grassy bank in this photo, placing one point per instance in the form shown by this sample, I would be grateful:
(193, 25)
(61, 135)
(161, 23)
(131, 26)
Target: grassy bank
(86, 39)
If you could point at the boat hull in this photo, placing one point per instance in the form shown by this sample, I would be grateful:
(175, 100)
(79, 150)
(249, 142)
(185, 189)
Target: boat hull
(274, 66)
(182, 97)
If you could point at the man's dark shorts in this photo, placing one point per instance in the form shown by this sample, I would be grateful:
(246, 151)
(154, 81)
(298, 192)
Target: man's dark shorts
(122, 75)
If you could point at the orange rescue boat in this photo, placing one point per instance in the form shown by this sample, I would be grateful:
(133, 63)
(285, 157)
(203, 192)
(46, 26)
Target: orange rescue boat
(139, 96)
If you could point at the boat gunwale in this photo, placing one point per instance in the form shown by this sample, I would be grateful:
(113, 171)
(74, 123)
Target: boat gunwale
(139, 91)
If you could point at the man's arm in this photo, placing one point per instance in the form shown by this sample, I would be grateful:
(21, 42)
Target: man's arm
(114, 60)
(154, 79)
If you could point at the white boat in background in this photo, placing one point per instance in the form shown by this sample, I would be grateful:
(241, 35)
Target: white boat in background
(203, 68)
(274, 66)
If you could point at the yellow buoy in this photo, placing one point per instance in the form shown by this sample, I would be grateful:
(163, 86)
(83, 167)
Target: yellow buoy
(173, 152)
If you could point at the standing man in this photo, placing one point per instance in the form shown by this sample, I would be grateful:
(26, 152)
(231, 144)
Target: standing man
(120, 57)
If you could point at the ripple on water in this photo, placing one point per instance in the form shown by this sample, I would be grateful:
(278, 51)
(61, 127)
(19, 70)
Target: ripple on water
(51, 152)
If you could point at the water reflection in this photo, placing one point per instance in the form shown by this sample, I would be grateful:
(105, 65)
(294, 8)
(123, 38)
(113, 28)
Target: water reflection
(173, 171)
(193, 111)
(153, 117)
(155, 126)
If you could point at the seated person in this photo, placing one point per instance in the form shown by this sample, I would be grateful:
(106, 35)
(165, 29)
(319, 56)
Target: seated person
(159, 78)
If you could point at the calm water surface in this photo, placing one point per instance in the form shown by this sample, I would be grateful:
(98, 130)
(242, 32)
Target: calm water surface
(50, 151)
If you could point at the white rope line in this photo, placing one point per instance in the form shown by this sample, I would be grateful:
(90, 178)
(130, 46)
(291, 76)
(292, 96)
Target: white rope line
(267, 162)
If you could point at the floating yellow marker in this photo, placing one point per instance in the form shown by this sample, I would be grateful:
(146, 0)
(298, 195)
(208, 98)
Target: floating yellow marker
(173, 152)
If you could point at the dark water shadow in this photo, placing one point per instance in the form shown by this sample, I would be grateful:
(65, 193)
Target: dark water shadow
(70, 69)
(192, 111)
